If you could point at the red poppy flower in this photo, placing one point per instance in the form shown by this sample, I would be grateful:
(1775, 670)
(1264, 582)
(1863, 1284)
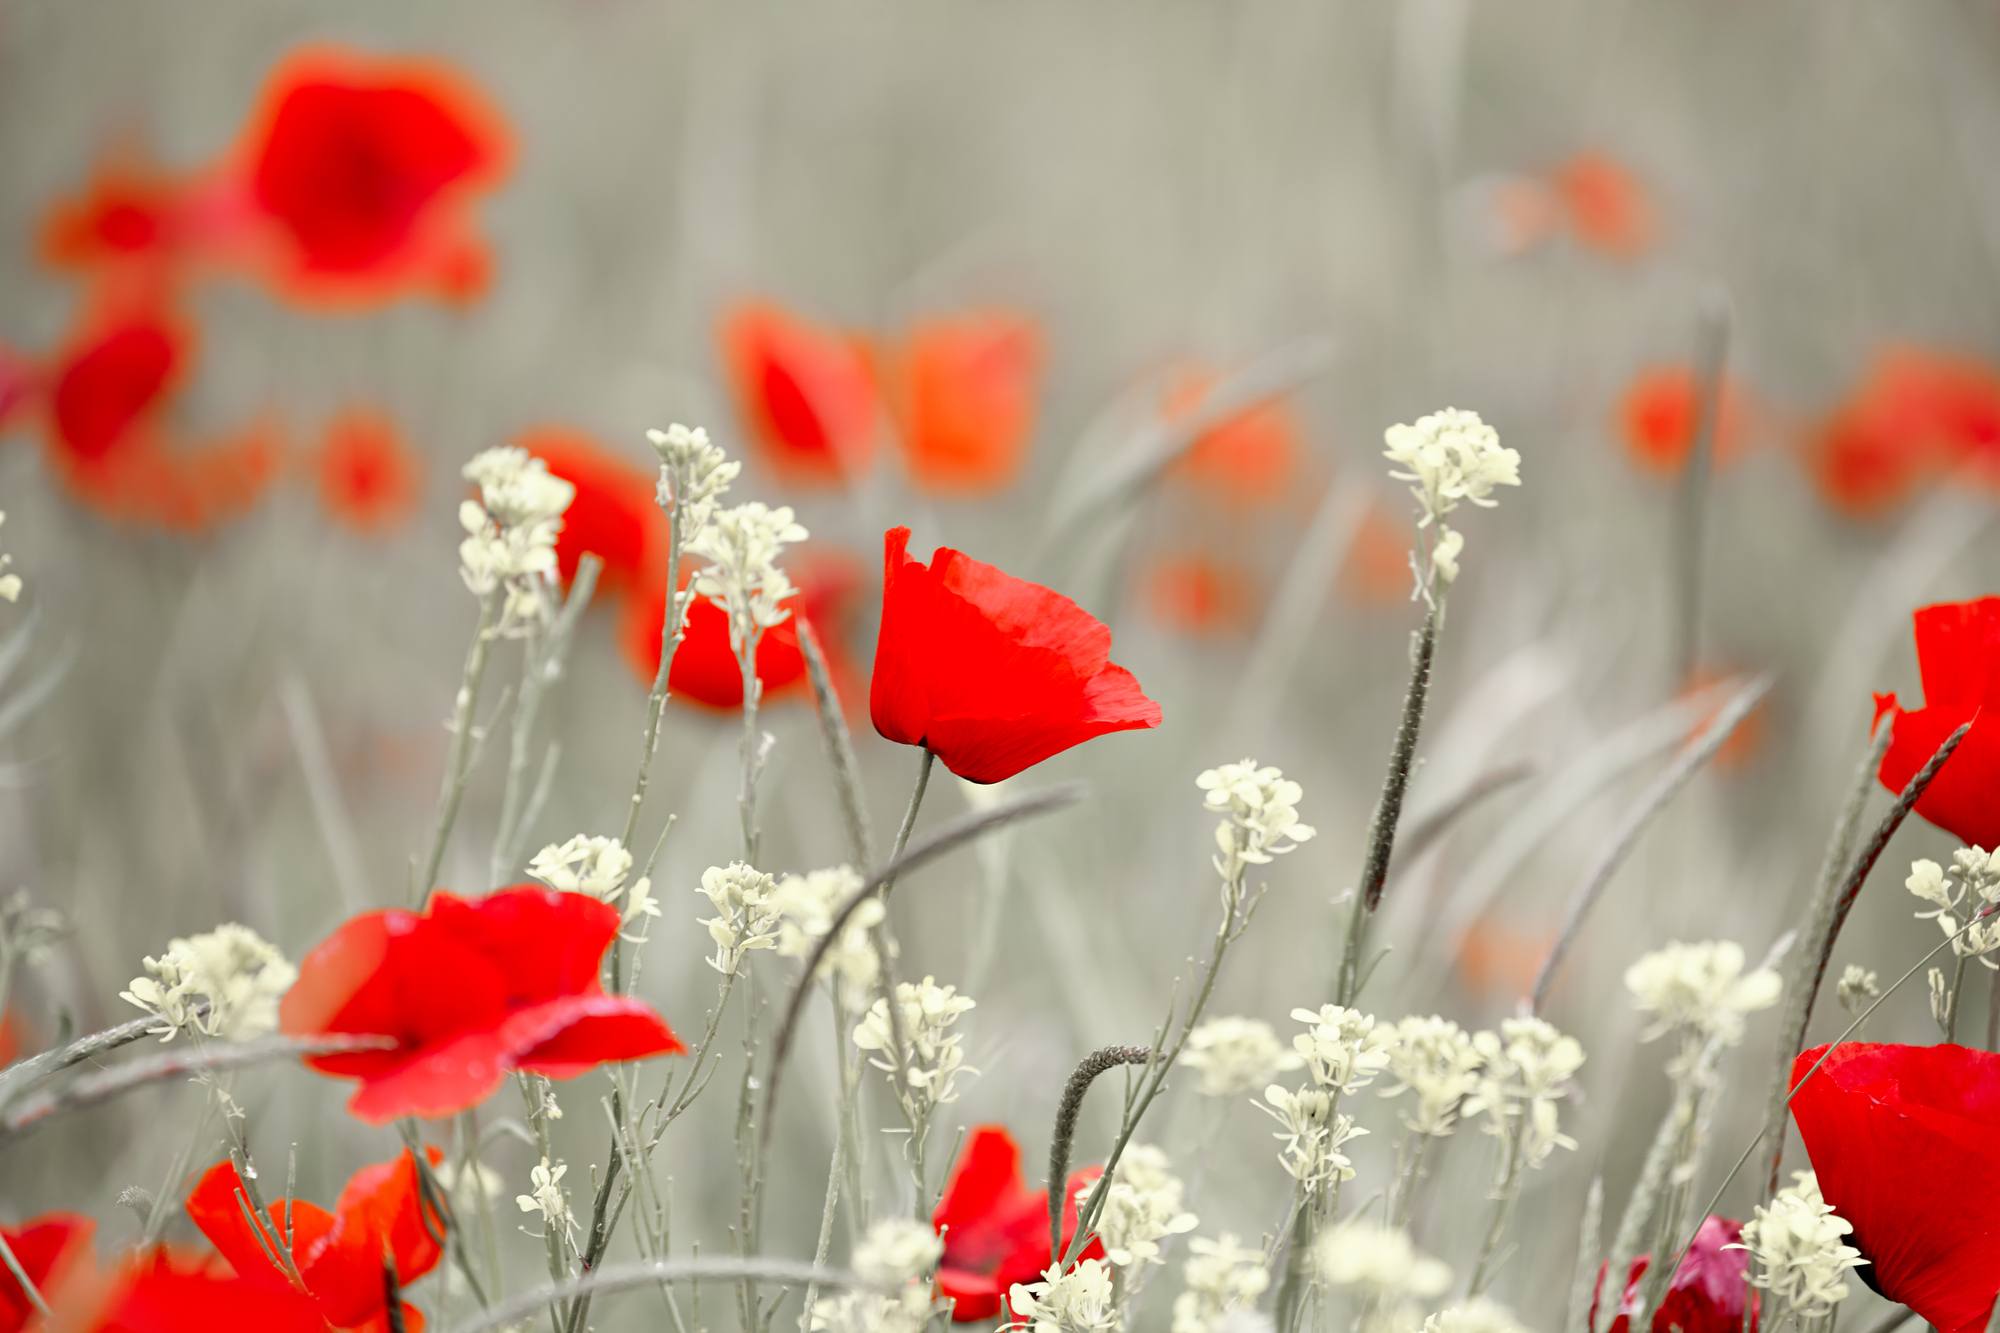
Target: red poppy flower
(339, 1255)
(1918, 412)
(45, 1247)
(1606, 205)
(1199, 594)
(1958, 659)
(470, 990)
(369, 478)
(363, 169)
(113, 382)
(1658, 416)
(806, 393)
(614, 514)
(964, 391)
(1706, 1295)
(705, 669)
(135, 213)
(164, 1292)
(991, 673)
(1901, 1139)
(996, 1229)
(1248, 459)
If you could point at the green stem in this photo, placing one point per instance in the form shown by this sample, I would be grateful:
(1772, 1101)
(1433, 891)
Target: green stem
(451, 791)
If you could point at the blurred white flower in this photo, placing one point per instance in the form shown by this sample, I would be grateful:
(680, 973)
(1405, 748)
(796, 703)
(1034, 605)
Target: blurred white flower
(1142, 1207)
(1344, 1048)
(897, 1250)
(1435, 1061)
(585, 864)
(1260, 806)
(10, 584)
(805, 905)
(741, 545)
(226, 983)
(1450, 456)
(1858, 987)
(932, 1059)
(1380, 1261)
(1799, 1256)
(1700, 989)
(1236, 1056)
(470, 1184)
(1079, 1301)
(511, 530)
(1525, 1070)
(1478, 1315)
(745, 917)
(1221, 1276)
(547, 1198)
(897, 1253)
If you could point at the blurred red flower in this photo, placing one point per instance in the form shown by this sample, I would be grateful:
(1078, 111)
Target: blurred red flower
(112, 383)
(163, 1292)
(1707, 1291)
(614, 515)
(705, 669)
(963, 389)
(20, 381)
(1247, 459)
(470, 990)
(133, 213)
(362, 170)
(1657, 419)
(991, 673)
(1606, 204)
(1916, 413)
(369, 479)
(996, 1229)
(1901, 1138)
(807, 393)
(1199, 594)
(46, 1248)
(340, 1256)
(1958, 660)
(1377, 570)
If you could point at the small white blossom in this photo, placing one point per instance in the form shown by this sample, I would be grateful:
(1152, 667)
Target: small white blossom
(1313, 1133)
(741, 545)
(1858, 987)
(1079, 1301)
(1435, 1061)
(693, 473)
(897, 1250)
(895, 1253)
(1222, 1276)
(1800, 1258)
(10, 584)
(933, 1057)
(1260, 809)
(470, 1184)
(1962, 898)
(1380, 1262)
(1344, 1048)
(805, 905)
(1236, 1056)
(585, 864)
(547, 1198)
(511, 530)
(1142, 1207)
(226, 983)
(1450, 456)
(745, 917)
(1701, 989)
(1444, 554)
(1477, 1315)
(1525, 1070)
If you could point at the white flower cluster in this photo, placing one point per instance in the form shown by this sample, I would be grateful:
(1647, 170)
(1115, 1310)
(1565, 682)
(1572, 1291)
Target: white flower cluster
(547, 1198)
(1236, 1056)
(1700, 989)
(1344, 1048)
(1079, 1301)
(693, 474)
(511, 529)
(1966, 891)
(1260, 806)
(1142, 1207)
(1447, 457)
(745, 917)
(1222, 1275)
(1437, 1062)
(1381, 1262)
(1477, 1315)
(1800, 1258)
(1858, 987)
(897, 1253)
(933, 1055)
(596, 866)
(10, 584)
(1525, 1070)
(805, 905)
(226, 983)
(1313, 1134)
(742, 545)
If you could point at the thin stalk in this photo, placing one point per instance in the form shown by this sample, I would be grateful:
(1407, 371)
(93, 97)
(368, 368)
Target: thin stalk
(458, 760)
(543, 655)
(839, 745)
(1691, 510)
(1583, 1280)
(672, 629)
(624, 1277)
(1504, 1197)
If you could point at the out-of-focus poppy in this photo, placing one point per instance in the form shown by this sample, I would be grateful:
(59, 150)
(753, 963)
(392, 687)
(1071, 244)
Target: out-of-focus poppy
(45, 1248)
(614, 514)
(1494, 958)
(369, 478)
(162, 1291)
(1958, 660)
(1918, 412)
(807, 393)
(470, 990)
(996, 1229)
(1199, 594)
(1659, 414)
(1605, 204)
(341, 1255)
(705, 670)
(361, 171)
(1377, 569)
(1901, 1140)
(991, 673)
(133, 212)
(112, 383)
(963, 389)
(1248, 459)
(20, 379)
(13, 1038)
(1707, 1292)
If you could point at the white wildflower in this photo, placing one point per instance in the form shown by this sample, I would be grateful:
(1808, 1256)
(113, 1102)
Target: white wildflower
(1236, 1056)
(1344, 1048)
(1079, 1301)
(1313, 1133)
(933, 1057)
(1222, 1276)
(1450, 456)
(1799, 1256)
(805, 905)
(1701, 989)
(1435, 1061)
(585, 864)
(10, 584)
(1962, 898)
(741, 545)
(510, 541)
(1525, 1070)
(1260, 809)
(1478, 1315)
(897, 1250)
(1858, 987)
(1142, 1207)
(547, 1198)
(693, 473)
(745, 917)
(226, 983)
(896, 1253)
(1380, 1262)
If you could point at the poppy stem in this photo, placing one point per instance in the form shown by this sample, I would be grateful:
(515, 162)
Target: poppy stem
(458, 760)
(839, 745)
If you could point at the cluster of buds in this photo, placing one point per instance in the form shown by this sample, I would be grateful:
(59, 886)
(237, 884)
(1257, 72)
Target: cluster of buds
(745, 917)
(1525, 1071)
(1795, 1241)
(1260, 809)
(932, 1056)
(510, 534)
(1448, 457)
(741, 545)
(1437, 1063)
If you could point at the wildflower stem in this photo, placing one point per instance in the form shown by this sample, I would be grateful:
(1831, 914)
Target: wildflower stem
(1389, 807)
(1691, 512)
(1504, 1196)
(1583, 1280)
(750, 761)
(839, 745)
(543, 654)
(459, 759)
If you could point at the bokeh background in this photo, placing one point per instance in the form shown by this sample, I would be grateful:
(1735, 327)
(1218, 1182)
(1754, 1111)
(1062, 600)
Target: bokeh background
(244, 622)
